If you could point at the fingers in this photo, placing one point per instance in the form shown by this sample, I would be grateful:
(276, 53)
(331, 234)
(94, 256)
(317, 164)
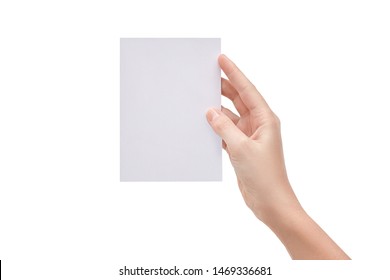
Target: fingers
(224, 145)
(225, 128)
(246, 90)
(229, 91)
(230, 114)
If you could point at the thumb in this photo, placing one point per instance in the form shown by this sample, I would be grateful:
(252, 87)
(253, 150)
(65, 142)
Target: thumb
(225, 128)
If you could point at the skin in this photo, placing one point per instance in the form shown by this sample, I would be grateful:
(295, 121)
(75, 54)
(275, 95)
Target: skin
(254, 145)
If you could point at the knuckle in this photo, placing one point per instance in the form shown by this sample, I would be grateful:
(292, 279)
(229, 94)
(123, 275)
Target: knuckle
(274, 120)
(277, 120)
(247, 87)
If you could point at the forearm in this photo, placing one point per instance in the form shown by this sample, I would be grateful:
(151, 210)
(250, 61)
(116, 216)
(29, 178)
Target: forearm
(303, 237)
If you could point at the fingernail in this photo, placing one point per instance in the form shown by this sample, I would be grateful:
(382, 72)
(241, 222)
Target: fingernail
(225, 56)
(212, 114)
(226, 64)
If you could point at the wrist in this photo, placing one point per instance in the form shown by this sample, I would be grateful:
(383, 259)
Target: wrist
(285, 217)
(282, 212)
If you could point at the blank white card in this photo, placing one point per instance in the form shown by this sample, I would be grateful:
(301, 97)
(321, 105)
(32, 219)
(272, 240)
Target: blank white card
(166, 87)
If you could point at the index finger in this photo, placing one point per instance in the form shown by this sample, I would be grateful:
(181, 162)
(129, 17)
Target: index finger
(247, 91)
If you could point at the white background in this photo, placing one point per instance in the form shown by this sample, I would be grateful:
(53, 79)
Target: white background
(323, 68)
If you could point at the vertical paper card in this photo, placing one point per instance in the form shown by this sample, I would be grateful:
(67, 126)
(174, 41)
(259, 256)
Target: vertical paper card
(166, 87)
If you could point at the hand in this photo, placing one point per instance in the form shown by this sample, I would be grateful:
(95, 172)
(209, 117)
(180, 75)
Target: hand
(253, 142)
